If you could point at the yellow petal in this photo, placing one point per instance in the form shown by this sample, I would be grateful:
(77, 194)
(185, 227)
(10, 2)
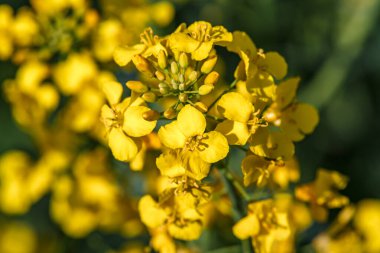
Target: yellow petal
(123, 54)
(272, 144)
(220, 34)
(189, 231)
(242, 43)
(202, 52)
(151, 214)
(255, 170)
(276, 65)
(171, 136)
(196, 167)
(286, 91)
(170, 164)
(235, 106)
(182, 42)
(123, 148)
(237, 133)
(190, 121)
(246, 227)
(113, 91)
(299, 120)
(214, 147)
(134, 123)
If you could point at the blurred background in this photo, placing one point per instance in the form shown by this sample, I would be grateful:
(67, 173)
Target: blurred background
(334, 46)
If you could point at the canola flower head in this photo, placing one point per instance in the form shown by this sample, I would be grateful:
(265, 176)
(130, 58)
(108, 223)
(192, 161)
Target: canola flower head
(178, 124)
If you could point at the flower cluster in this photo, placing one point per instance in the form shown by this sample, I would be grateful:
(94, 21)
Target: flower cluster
(204, 152)
(200, 122)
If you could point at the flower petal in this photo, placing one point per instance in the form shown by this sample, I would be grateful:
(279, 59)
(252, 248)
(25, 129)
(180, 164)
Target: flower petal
(196, 167)
(134, 124)
(182, 42)
(190, 121)
(276, 65)
(246, 227)
(272, 144)
(235, 106)
(113, 91)
(286, 91)
(299, 120)
(123, 54)
(237, 133)
(214, 147)
(151, 214)
(170, 164)
(123, 148)
(202, 52)
(171, 136)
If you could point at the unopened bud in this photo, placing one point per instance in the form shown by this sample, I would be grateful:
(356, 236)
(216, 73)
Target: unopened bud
(181, 78)
(160, 76)
(174, 84)
(170, 113)
(193, 76)
(137, 86)
(163, 87)
(149, 97)
(142, 65)
(211, 78)
(174, 67)
(181, 86)
(209, 64)
(162, 59)
(183, 97)
(151, 115)
(205, 89)
(201, 107)
(183, 60)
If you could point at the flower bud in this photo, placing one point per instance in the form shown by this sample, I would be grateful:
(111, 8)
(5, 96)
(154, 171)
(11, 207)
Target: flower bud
(160, 76)
(181, 78)
(201, 107)
(211, 78)
(163, 87)
(142, 65)
(170, 113)
(209, 64)
(149, 97)
(162, 59)
(174, 67)
(137, 86)
(151, 115)
(183, 97)
(193, 76)
(181, 86)
(205, 89)
(183, 60)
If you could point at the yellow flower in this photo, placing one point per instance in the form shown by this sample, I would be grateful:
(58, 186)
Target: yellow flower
(150, 45)
(12, 233)
(178, 210)
(267, 225)
(198, 39)
(294, 118)
(256, 62)
(323, 193)
(367, 221)
(271, 144)
(124, 122)
(241, 120)
(196, 147)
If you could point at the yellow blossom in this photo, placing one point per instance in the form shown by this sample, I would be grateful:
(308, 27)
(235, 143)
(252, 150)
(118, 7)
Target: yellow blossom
(196, 147)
